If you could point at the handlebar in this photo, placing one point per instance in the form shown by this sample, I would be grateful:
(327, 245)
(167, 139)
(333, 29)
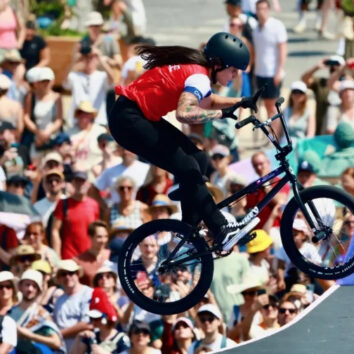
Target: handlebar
(262, 125)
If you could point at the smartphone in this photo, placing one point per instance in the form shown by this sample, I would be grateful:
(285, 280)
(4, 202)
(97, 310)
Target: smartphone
(141, 276)
(330, 62)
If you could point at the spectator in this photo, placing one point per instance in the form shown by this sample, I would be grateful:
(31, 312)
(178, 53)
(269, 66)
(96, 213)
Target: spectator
(130, 166)
(287, 312)
(70, 226)
(220, 157)
(210, 318)
(97, 255)
(270, 45)
(162, 207)
(347, 180)
(104, 318)
(107, 279)
(10, 110)
(286, 271)
(140, 335)
(299, 117)
(53, 183)
(105, 43)
(12, 66)
(35, 326)
(157, 182)
(23, 258)
(50, 291)
(320, 88)
(35, 237)
(131, 211)
(12, 30)
(8, 292)
(34, 50)
(89, 84)
(345, 113)
(110, 154)
(259, 252)
(307, 173)
(178, 336)
(269, 312)
(8, 245)
(8, 335)
(71, 308)
(43, 112)
(234, 184)
(262, 166)
(20, 158)
(16, 184)
(85, 150)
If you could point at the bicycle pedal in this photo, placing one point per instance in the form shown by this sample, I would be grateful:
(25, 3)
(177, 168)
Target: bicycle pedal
(249, 237)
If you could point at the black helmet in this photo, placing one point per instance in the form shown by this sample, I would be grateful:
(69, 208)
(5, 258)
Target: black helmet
(228, 50)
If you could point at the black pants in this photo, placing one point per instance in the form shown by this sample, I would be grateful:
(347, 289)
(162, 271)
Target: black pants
(166, 147)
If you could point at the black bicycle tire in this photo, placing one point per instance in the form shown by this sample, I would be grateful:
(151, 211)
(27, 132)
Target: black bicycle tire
(290, 248)
(127, 282)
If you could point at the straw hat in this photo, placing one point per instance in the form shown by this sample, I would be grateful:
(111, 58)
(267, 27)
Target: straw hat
(69, 265)
(162, 200)
(24, 250)
(260, 243)
(104, 270)
(87, 107)
(216, 192)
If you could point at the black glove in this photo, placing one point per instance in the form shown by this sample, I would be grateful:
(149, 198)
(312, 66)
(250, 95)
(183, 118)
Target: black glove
(249, 102)
(229, 111)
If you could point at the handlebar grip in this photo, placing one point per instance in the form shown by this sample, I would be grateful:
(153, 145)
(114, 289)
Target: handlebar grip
(244, 122)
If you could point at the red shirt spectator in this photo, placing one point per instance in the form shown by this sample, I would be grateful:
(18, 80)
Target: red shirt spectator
(8, 242)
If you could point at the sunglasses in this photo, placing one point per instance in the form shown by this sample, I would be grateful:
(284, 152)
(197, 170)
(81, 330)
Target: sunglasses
(282, 310)
(181, 325)
(145, 332)
(24, 259)
(53, 180)
(105, 275)
(217, 157)
(122, 188)
(209, 319)
(250, 293)
(348, 223)
(236, 25)
(6, 286)
(64, 274)
(267, 306)
(297, 92)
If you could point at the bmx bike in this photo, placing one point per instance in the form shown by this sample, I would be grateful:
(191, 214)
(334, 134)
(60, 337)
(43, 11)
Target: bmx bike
(173, 277)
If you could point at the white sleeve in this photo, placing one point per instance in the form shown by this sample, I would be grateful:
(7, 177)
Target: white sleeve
(198, 85)
(101, 182)
(9, 331)
(281, 33)
(68, 83)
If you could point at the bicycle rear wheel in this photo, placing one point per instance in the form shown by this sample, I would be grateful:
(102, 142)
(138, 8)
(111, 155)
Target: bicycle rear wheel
(168, 278)
(329, 208)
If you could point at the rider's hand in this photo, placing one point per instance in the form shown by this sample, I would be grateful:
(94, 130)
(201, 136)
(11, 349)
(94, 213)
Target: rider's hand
(248, 102)
(229, 112)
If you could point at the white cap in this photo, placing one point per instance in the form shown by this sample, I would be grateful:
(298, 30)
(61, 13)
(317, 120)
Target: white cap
(46, 73)
(6, 275)
(346, 85)
(34, 275)
(5, 82)
(32, 74)
(298, 85)
(94, 18)
(212, 309)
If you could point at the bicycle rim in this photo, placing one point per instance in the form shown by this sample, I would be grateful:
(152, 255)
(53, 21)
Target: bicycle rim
(332, 211)
(156, 279)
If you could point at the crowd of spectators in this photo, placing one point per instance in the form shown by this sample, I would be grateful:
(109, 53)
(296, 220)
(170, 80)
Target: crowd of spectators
(78, 195)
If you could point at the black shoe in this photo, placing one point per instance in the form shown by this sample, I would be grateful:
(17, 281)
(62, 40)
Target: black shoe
(226, 233)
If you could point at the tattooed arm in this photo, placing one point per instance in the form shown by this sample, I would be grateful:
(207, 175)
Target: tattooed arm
(189, 111)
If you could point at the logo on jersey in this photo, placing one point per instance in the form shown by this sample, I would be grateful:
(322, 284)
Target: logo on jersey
(173, 68)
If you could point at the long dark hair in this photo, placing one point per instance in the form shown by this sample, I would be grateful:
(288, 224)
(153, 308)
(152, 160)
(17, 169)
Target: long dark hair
(170, 55)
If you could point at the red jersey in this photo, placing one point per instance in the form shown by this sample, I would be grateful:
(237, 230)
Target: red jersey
(157, 91)
(74, 234)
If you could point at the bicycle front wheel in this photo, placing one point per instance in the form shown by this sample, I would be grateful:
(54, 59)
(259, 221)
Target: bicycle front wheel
(163, 269)
(329, 208)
